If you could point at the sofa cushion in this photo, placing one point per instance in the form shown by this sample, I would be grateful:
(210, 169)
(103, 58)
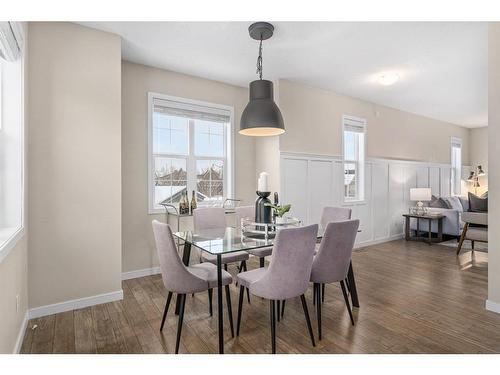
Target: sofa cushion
(437, 202)
(454, 203)
(465, 203)
(477, 204)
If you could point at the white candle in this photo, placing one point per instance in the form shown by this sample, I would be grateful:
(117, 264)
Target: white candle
(263, 184)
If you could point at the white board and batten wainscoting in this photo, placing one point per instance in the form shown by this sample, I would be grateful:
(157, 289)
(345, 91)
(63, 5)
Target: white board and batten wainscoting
(311, 182)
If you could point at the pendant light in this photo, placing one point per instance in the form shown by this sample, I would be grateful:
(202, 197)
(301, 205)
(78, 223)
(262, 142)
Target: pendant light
(261, 116)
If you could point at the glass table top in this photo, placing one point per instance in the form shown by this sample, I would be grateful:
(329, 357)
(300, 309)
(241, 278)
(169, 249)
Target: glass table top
(225, 240)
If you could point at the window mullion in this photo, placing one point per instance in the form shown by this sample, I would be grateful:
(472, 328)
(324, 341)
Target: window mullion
(191, 160)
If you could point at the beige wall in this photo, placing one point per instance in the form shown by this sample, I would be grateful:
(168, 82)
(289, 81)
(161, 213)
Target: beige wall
(494, 164)
(478, 153)
(313, 121)
(74, 163)
(139, 251)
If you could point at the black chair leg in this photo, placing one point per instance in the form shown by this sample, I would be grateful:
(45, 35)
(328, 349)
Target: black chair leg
(278, 309)
(261, 262)
(272, 307)
(240, 308)
(229, 309)
(318, 310)
(225, 267)
(179, 324)
(347, 285)
(308, 319)
(244, 266)
(315, 286)
(346, 299)
(210, 294)
(323, 293)
(169, 298)
(283, 308)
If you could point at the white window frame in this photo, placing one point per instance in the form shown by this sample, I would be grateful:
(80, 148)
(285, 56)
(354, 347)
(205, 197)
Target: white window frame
(9, 239)
(191, 158)
(454, 174)
(360, 163)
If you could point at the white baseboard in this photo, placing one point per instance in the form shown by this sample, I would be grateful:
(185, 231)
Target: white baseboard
(140, 273)
(379, 241)
(20, 335)
(74, 304)
(493, 306)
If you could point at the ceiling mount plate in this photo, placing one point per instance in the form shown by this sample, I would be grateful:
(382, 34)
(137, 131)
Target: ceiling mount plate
(261, 30)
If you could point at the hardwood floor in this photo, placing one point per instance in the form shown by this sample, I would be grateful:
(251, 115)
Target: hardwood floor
(414, 298)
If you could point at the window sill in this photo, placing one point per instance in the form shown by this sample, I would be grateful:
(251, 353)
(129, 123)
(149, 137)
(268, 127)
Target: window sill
(8, 240)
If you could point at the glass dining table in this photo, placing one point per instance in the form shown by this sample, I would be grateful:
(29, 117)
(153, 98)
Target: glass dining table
(229, 240)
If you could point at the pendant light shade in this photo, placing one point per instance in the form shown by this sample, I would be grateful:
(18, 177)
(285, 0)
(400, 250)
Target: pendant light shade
(261, 116)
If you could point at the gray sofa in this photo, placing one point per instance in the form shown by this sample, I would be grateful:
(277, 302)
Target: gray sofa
(452, 223)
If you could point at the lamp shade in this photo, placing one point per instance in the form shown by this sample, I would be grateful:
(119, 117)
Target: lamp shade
(261, 117)
(420, 194)
(480, 171)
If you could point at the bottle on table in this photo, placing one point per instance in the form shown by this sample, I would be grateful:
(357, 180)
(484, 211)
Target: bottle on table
(193, 202)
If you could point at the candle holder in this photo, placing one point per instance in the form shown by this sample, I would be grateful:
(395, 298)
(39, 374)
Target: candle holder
(262, 212)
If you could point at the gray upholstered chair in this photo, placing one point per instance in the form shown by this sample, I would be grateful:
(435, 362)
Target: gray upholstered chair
(331, 215)
(331, 263)
(286, 277)
(475, 228)
(215, 218)
(249, 212)
(182, 280)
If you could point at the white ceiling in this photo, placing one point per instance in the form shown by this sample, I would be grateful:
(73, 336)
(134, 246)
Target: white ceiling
(443, 65)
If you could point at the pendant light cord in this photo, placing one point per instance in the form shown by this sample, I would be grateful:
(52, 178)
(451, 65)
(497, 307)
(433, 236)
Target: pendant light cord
(259, 60)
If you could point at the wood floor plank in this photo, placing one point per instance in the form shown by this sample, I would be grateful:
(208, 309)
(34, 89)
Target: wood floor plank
(28, 338)
(414, 298)
(85, 342)
(43, 336)
(64, 333)
(103, 330)
(136, 317)
(124, 333)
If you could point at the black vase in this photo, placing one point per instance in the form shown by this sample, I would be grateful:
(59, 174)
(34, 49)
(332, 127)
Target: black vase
(263, 212)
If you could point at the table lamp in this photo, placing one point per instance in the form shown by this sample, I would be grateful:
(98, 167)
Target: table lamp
(420, 195)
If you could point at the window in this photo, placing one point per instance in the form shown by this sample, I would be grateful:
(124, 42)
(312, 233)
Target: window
(456, 165)
(11, 136)
(190, 149)
(354, 130)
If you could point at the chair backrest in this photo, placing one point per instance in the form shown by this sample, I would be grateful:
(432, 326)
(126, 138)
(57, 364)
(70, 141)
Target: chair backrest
(332, 214)
(244, 212)
(332, 261)
(209, 218)
(290, 269)
(174, 273)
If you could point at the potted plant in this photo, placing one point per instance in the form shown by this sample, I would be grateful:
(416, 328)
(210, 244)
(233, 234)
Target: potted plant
(279, 211)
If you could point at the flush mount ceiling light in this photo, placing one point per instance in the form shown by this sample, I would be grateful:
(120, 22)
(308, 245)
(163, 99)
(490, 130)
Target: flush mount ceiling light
(387, 79)
(261, 117)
